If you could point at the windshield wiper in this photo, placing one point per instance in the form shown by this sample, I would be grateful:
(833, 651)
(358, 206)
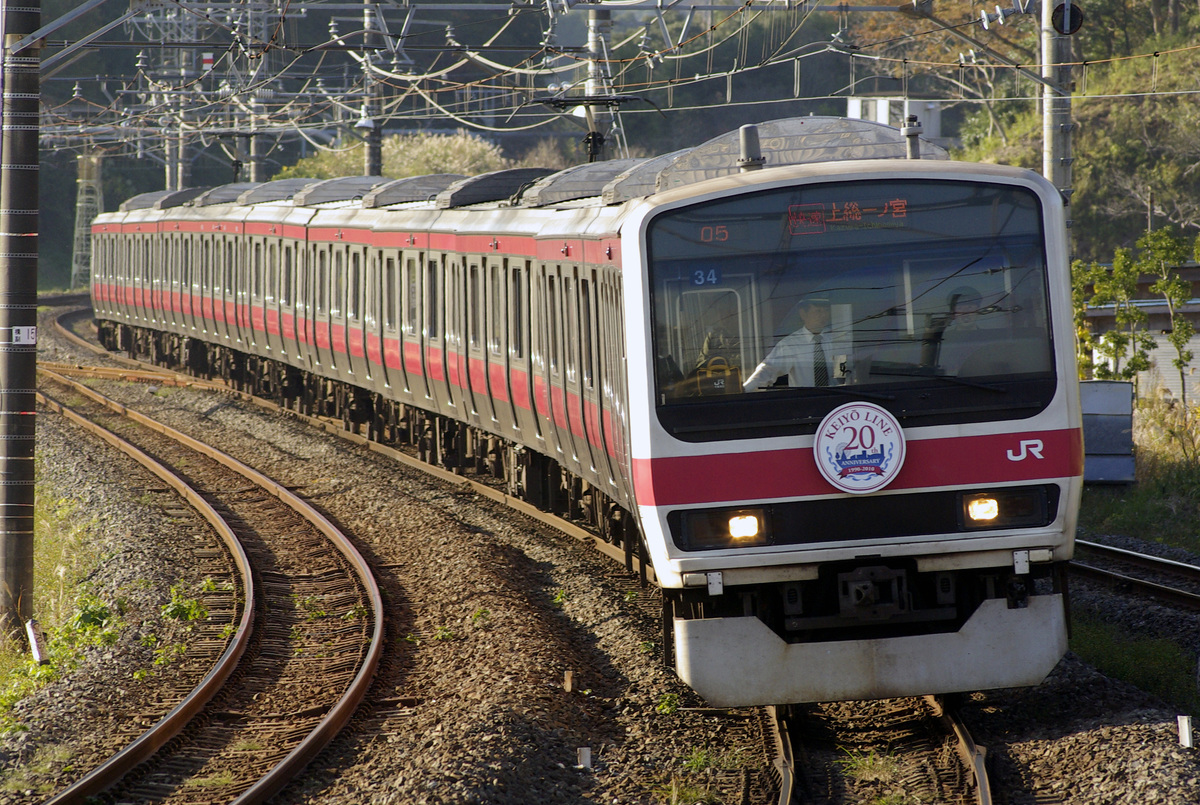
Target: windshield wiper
(851, 391)
(915, 371)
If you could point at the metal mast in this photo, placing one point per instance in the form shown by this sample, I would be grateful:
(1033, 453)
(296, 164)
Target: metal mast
(89, 202)
(18, 305)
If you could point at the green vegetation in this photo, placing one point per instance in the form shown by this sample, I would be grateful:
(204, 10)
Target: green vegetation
(1164, 504)
(1154, 665)
(183, 609)
(679, 792)
(407, 155)
(668, 704)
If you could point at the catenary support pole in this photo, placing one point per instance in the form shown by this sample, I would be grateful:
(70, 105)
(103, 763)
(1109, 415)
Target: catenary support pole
(18, 308)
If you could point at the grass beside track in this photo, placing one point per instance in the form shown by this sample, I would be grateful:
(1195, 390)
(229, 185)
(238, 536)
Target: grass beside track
(64, 555)
(1162, 506)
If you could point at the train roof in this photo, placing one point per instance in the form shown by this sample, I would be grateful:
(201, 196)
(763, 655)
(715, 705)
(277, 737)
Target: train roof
(789, 141)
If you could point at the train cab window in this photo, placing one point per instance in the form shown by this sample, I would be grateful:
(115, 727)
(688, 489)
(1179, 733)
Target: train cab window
(771, 308)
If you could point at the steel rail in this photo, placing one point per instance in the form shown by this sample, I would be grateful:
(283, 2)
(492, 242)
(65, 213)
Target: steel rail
(784, 761)
(271, 783)
(974, 757)
(150, 741)
(1146, 561)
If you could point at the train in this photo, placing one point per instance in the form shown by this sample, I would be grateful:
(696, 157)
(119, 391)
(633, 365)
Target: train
(817, 376)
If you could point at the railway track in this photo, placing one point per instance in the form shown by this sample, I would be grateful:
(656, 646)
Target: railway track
(903, 750)
(1171, 582)
(769, 726)
(295, 638)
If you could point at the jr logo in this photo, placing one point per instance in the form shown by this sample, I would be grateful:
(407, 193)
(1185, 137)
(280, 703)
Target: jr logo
(1028, 447)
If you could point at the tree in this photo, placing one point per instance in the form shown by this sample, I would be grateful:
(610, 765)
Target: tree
(406, 155)
(1161, 252)
(1128, 341)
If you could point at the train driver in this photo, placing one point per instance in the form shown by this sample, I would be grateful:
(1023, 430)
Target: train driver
(805, 356)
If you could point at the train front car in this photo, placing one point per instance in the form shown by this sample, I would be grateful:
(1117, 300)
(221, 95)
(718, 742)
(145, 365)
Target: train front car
(860, 464)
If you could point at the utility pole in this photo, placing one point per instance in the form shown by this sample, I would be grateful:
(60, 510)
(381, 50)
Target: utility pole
(19, 112)
(1056, 96)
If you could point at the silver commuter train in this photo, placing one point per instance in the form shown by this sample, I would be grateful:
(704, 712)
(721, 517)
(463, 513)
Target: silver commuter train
(878, 504)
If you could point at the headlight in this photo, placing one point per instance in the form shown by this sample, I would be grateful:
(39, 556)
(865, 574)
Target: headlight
(982, 509)
(743, 526)
(723, 528)
(1009, 508)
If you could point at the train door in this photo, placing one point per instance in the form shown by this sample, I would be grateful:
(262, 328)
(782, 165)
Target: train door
(242, 269)
(433, 315)
(187, 269)
(592, 374)
(387, 317)
(613, 382)
(458, 394)
(476, 374)
(549, 395)
(519, 373)
(573, 364)
(357, 362)
(320, 315)
(287, 300)
(272, 335)
(156, 282)
(257, 328)
(204, 289)
(229, 287)
(503, 412)
(413, 349)
(306, 305)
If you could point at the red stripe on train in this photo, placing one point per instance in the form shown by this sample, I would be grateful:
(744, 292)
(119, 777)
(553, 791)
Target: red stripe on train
(772, 474)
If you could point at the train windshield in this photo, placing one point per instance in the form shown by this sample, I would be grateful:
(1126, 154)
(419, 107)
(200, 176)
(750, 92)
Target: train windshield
(928, 297)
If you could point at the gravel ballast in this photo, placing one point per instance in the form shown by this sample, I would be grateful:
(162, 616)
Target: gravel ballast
(489, 613)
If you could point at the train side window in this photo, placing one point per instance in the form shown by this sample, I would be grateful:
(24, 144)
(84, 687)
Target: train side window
(552, 310)
(496, 308)
(272, 272)
(256, 271)
(516, 323)
(570, 301)
(585, 330)
(354, 288)
(285, 285)
(338, 289)
(322, 279)
(412, 308)
(389, 293)
(474, 304)
(432, 318)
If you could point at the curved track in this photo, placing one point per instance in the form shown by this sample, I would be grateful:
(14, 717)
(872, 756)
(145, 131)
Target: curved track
(777, 741)
(284, 686)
